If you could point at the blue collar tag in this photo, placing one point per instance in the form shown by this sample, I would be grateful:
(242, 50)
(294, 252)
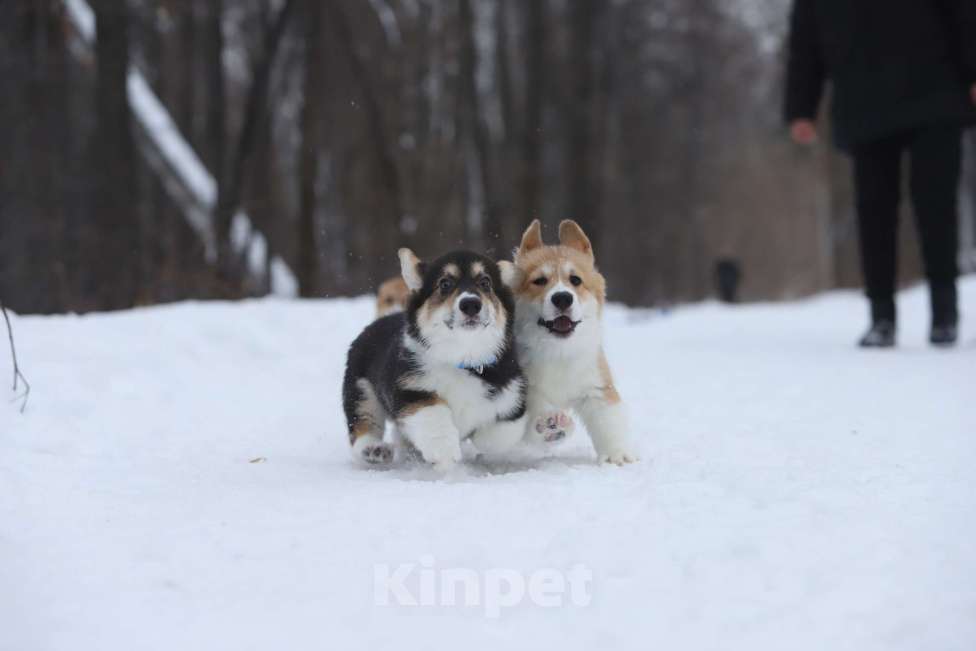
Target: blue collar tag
(478, 367)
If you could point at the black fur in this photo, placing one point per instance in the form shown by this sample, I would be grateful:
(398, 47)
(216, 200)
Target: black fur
(379, 356)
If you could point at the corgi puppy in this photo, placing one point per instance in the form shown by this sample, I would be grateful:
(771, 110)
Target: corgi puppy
(391, 297)
(559, 303)
(443, 371)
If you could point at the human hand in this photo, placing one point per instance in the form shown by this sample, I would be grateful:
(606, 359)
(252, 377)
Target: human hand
(972, 93)
(804, 132)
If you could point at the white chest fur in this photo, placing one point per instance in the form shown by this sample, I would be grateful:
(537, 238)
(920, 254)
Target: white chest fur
(563, 382)
(467, 396)
(560, 372)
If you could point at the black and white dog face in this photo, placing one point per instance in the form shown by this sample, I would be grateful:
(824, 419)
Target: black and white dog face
(459, 309)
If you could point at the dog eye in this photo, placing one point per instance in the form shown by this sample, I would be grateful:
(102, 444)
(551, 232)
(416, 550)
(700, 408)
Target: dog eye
(541, 280)
(576, 281)
(484, 284)
(446, 284)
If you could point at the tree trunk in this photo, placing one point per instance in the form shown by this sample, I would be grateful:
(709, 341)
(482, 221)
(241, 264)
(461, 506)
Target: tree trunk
(530, 175)
(112, 246)
(583, 163)
(476, 136)
(382, 148)
(230, 265)
(312, 109)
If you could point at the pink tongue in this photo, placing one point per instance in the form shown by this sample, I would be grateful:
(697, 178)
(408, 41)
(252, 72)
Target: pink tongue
(562, 324)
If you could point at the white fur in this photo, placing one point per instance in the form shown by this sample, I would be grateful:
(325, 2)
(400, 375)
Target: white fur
(550, 311)
(433, 432)
(452, 343)
(512, 276)
(607, 425)
(537, 345)
(564, 373)
(410, 270)
(451, 350)
(465, 393)
(499, 437)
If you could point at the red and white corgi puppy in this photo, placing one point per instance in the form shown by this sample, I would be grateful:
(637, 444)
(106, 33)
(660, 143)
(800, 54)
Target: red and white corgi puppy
(559, 298)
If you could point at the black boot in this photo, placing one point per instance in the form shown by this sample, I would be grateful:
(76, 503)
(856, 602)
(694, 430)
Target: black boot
(945, 316)
(881, 335)
(882, 332)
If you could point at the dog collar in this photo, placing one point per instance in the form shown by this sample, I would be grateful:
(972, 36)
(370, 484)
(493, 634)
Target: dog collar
(478, 367)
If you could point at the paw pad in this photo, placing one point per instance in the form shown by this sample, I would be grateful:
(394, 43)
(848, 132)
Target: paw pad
(554, 427)
(378, 454)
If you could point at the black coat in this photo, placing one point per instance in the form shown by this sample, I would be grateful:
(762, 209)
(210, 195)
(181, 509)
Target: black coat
(894, 64)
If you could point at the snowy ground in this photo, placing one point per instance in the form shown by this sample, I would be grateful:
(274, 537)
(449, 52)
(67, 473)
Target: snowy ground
(795, 493)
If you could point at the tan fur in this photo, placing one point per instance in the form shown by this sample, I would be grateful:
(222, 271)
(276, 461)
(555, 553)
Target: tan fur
(571, 235)
(362, 427)
(414, 407)
(437, 299)
(534, 259)
(392, 296)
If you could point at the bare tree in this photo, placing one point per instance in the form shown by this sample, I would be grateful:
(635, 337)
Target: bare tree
(112, 247)
(231, 185)
(530, 173)
(477, 137)
(312, 108)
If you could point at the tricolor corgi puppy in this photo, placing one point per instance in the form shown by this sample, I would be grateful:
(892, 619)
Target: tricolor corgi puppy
(559, 303)
(391, 297)
(443, 371)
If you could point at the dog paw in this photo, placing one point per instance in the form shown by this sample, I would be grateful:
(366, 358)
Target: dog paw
(443, 455)
(377, 454)
(372, 451)
(619, 457)
(554, 426)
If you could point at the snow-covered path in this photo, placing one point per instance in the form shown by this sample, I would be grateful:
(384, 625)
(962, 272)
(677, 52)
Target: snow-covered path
(795, 493)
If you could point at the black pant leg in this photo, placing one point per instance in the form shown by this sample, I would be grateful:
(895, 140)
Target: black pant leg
(936, 161)
(877, 177)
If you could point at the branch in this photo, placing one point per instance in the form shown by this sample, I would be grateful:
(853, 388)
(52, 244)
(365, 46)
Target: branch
(13, 353)
(373, 111)
(231, 183)
(255, 105)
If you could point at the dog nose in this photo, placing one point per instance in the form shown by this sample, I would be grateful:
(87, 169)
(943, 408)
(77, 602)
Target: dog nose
(470, 305)
(562, 300)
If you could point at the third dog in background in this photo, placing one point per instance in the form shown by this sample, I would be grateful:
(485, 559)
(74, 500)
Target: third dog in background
(392, 297)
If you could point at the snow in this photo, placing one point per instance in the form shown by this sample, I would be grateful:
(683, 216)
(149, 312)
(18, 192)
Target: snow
(795, 492)
(388, 20)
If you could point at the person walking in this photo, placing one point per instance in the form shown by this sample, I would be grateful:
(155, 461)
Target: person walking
(903, 75)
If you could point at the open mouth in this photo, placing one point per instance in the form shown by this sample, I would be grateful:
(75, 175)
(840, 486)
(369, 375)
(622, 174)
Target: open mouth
(561, 326)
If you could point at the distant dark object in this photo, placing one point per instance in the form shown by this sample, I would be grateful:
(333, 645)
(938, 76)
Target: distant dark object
(728, 273)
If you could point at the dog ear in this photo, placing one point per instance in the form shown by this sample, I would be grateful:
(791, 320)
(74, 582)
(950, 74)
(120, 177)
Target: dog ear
(511, 275)
(571, 235)
(412, 269)
(531, 239)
